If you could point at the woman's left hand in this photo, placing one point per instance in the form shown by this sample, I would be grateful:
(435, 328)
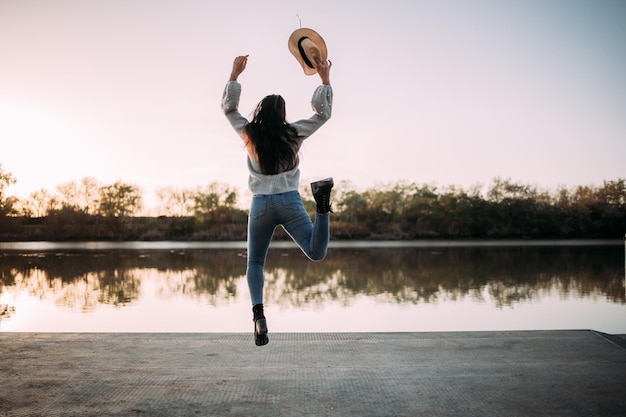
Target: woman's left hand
(239, 64)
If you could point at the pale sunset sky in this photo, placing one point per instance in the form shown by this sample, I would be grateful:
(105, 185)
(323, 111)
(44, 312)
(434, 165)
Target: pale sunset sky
(451, 92)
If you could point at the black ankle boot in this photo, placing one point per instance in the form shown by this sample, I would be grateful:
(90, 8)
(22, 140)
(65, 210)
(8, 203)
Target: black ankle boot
(260, 326)
(321, 194)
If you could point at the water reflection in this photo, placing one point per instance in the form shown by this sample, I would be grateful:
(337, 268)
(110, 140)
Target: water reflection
(422, 275)
(83, 280)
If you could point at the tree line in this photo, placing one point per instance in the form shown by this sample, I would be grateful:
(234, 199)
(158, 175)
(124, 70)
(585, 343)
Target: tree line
(86, 209)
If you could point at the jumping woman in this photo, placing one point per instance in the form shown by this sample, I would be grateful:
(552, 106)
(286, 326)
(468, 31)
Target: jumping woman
(272, 146)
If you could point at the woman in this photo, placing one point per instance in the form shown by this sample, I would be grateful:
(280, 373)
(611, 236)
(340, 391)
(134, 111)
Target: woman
(272, 145)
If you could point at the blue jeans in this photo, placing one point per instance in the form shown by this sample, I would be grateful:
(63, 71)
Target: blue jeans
(269, 211)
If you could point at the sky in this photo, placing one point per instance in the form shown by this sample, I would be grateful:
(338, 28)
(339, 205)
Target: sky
(453, 92)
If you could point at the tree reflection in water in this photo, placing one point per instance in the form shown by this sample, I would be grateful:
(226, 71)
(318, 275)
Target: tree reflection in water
(507, 275)
(415, 275)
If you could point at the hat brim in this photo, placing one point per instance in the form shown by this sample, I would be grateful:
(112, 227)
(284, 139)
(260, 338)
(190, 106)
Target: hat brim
(295, 49)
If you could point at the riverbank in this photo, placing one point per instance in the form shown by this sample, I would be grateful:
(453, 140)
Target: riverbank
(191, 245)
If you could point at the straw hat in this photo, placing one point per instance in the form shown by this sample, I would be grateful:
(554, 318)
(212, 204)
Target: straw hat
(307, 46)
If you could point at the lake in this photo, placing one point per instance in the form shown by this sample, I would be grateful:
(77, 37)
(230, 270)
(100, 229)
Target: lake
(360, 287)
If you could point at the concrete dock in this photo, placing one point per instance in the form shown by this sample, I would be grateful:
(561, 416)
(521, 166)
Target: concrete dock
(535, 373)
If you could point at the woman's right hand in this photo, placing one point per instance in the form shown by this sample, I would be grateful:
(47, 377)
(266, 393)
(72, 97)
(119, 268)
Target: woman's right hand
(239, 64)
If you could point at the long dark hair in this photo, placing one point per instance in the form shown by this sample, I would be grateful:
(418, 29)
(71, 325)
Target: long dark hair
(271, 138)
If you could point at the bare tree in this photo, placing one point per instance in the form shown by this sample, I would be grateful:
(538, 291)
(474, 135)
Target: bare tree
(176, 202)
(68, 195)
(41, 202)
(89, 195)
(6, 203)
(82, 195)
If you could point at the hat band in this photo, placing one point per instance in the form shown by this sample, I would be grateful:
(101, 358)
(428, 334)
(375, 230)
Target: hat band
(303, 54)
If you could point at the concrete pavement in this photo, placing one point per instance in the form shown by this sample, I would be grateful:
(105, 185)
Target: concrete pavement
(536, 373)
